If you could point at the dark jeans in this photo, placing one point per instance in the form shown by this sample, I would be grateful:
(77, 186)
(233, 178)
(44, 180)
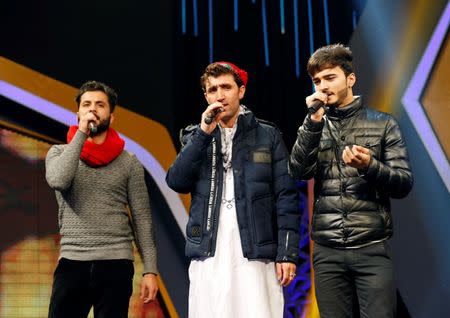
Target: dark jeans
(368, 272)
(78, 285)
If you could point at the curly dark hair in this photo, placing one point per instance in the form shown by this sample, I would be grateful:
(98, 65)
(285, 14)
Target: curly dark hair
(215, 70)
(331, 56)
(92, 86)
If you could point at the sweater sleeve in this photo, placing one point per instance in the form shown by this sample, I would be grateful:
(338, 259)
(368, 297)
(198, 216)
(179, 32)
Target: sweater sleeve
(139, 203)
(61, 163)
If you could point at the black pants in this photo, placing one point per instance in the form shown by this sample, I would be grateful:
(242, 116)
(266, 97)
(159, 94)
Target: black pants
(368, 272)
(79, 285)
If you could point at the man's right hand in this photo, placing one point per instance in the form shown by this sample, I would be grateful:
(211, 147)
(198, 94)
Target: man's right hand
(311, 99)
(84, 120)
(207, 113)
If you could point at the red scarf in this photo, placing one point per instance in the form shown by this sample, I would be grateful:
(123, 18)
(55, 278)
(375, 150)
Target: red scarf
(96, 155)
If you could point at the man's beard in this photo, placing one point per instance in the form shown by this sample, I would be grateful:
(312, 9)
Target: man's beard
(102, 127)
(341, 96)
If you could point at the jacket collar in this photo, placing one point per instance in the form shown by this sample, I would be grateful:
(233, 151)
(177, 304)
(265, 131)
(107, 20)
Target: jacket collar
(336, 113)
(245, 121)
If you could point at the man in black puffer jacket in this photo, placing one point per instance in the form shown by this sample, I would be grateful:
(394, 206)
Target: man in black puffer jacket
(242, 232)
(358, 159)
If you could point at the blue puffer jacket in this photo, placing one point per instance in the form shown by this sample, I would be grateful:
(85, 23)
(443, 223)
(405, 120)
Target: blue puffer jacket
(266, 197)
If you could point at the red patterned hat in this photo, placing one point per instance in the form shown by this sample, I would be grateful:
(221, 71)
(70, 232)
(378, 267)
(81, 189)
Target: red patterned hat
(243, 75)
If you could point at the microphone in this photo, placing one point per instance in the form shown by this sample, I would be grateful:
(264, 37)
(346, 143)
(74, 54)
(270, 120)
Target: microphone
(208, 119)
(92, 128)
(315, 106)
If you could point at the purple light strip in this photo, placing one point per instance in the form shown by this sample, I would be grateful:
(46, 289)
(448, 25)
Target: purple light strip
(68, 118)
(411, 99)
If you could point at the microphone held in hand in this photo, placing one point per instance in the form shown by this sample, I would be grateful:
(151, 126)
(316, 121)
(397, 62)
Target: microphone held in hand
(315, 106)
(92, 128)
(209, 119)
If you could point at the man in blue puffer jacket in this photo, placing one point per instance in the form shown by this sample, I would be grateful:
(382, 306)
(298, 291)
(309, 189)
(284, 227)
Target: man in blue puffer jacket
(242, 233)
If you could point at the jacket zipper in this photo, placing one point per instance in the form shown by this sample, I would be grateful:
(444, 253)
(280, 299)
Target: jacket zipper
(212, 196)
(213, 186)
(211, 233)
(287, 241)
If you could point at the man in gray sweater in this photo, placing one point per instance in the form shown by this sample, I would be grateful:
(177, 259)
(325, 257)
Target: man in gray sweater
(95, 181)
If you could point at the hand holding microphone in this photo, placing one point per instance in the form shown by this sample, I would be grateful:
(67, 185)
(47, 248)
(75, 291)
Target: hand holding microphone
(316, 103)
(315, 106)
(209, 119)
(208, 123)
(92, 127)
(87, 123)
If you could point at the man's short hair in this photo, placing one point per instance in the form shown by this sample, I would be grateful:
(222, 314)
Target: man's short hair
(331, 56)
(92, 86)
(216, 70)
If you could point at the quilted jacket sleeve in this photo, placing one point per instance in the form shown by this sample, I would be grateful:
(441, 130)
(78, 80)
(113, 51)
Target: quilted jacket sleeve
(303, 158)
(183, 173)
(392, 173)
(287, 205)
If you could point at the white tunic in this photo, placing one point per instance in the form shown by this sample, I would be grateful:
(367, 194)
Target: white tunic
(229, 285)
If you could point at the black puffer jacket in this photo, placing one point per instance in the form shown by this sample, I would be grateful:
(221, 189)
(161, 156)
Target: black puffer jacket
(352, 207)
(266, 197)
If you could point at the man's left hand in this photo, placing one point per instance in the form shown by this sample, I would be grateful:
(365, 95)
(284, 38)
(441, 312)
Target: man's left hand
(149, 288)
(286, 273)
(357, 157)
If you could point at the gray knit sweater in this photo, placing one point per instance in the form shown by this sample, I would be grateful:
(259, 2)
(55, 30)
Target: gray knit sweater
(93, 217)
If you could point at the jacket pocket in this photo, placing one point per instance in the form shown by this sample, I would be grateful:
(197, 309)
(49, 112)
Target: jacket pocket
(261, 155)
(196, 222)
(325, 155)
(263, 220)
(373, 143)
